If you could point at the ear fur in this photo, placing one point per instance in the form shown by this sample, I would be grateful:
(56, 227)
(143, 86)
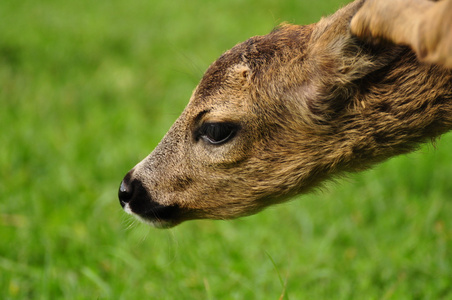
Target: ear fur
(337, 60)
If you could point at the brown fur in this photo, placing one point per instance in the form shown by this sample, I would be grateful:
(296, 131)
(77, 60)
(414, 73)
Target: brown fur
(309, 103)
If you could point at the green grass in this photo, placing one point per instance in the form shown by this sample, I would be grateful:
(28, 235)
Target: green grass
(88, 88)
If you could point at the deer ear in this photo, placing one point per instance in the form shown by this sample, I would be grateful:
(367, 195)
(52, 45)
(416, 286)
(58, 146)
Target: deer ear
(338, 60)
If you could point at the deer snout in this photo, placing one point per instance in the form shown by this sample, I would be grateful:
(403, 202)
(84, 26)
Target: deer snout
(136, 200)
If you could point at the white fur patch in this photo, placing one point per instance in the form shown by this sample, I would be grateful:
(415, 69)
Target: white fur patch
(128, 210)
(155, 223)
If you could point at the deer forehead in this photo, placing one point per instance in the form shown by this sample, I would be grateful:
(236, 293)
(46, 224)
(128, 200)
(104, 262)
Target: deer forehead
(222, 95)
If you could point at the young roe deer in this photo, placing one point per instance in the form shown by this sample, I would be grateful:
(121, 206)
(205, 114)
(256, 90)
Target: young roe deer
(279, 114)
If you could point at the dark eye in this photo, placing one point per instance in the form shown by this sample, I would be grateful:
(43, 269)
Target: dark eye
(217, 133)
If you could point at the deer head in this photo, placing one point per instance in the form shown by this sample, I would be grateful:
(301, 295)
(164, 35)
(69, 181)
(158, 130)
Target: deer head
(271, 118)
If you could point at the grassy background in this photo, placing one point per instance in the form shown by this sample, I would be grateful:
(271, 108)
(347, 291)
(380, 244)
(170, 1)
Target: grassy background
(88, 88)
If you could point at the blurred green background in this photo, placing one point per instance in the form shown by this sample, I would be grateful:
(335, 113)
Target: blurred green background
(88, 88)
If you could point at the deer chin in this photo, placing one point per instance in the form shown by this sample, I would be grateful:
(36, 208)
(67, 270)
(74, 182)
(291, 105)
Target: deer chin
(159, 216)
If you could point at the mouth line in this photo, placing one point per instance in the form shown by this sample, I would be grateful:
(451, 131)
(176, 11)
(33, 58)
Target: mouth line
(159, 216)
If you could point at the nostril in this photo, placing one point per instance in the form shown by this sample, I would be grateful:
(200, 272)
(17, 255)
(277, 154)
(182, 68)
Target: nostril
(126, 190)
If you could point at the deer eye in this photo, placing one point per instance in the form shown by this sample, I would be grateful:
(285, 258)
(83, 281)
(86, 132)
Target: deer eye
(217, 133)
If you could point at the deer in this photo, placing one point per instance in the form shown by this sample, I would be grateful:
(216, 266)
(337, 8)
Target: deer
(280, 114)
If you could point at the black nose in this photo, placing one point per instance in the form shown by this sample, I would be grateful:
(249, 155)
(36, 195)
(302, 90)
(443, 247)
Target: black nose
(126, 190)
